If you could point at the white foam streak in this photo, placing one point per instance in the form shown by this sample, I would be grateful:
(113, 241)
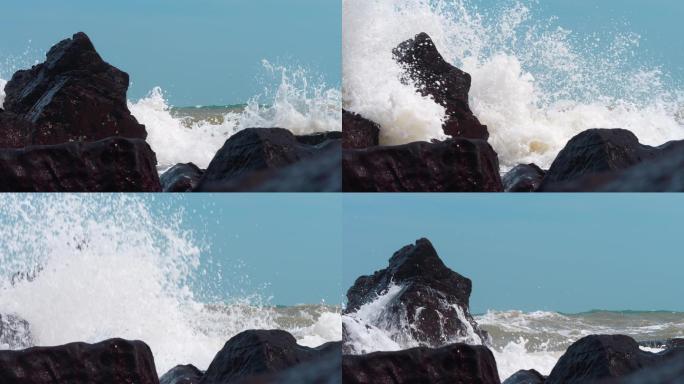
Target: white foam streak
(534, 83)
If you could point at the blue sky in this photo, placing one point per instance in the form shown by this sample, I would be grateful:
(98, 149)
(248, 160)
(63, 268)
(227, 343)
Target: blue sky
(568, 253)
(290, 245)
(200, 52)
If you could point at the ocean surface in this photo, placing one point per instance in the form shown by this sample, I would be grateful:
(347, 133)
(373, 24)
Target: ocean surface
(300, 101)
(93, 267)
(538, 79)
(519, 340)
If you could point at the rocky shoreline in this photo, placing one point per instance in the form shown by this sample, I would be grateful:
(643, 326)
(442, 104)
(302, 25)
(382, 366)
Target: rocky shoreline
(254, 356)
(596, 160)
(65, 126)
(432, 305)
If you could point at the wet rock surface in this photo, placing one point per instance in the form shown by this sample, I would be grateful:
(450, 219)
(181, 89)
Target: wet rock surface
(182, 374)
(611, 159)
(181, 178)
(254, 353)
(111, 165)
(326, 369)
(446, 84)
(111, 361)
(526, 377)
(252, 159)
(433, 303)
(73, 96)
(455, 165)
(523, 178)
(602, 357)
(358, 131)
(456, 363)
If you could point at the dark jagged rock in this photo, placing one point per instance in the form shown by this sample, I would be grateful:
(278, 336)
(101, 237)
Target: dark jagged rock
(253, 353)
(15, 332)
(662, 174)
(14, 130)
(429, 294)
(320, 173)
(324, 370)
(455, 165)
(182, 374)
(446, 84)
(358, 132)
(181, 178)
(669, 371)
(526, 377)
(523, 178)
(603, 357)
(319, 137)
(111, 361)
(250, 157)
(73, 96)
(456, 363)
(111, 165)
(596, 157)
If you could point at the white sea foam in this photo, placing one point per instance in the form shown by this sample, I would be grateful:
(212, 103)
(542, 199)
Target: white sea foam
(2, 92)
(534, 83)
(374, 328)
(300, 102)
(518, 340)
(92, 267)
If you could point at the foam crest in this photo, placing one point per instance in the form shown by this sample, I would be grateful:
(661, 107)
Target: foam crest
(534, 83)
(177, 140)
(299, 102)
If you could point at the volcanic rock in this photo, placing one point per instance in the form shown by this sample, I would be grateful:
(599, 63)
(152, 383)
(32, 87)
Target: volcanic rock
(455, 363)
(596, 156)
(526, 377)
(602, 357)
(181, 178)
(358, 132)
(446, 84)
(251, 160)
(111, 165)
(15, 332)
(253, 353)
(73, 96)
(14, 130)
(324, 370)
(432, 304)
(182, 374)
(669, 371)
(111, 361)
(319, 137)
(523, 178)
(454, 165)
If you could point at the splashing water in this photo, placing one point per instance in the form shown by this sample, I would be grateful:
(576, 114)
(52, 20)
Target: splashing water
(518, 340)
(534, 83)
(298, 103)
(374, 328)
(92, 267)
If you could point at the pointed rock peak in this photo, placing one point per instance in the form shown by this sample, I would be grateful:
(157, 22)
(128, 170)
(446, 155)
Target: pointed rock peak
(75, 53)
(416, 260)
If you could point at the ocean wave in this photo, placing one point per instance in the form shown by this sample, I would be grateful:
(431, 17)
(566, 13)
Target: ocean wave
(534, 83)
(93, 267)
(300, 102)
